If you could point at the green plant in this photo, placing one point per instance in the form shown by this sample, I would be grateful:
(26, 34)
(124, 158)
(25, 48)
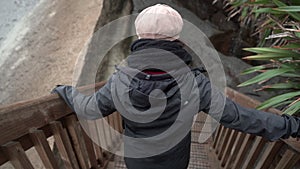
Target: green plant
(277, 24)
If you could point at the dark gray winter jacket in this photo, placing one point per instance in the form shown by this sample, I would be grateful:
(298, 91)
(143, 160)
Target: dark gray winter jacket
(158, 109)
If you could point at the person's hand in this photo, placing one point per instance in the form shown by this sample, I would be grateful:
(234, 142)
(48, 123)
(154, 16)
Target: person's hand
(53, 91)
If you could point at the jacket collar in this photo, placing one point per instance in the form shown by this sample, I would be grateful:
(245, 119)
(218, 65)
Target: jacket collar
(176, 47)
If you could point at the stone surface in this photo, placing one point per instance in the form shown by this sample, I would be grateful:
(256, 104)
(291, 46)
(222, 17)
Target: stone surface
(111, 10)
(202, 8)
(231, 43)
(220, 20)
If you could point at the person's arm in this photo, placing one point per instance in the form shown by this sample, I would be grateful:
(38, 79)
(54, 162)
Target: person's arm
(267, 125)
(91, 107)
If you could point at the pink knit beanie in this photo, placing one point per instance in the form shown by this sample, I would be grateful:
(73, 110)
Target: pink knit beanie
(159, 22)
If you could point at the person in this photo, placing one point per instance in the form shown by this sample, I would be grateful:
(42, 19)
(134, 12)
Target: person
(165, 95)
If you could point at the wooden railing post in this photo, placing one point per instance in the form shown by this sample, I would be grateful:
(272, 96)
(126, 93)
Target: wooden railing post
(235, 153)
(224, 142)
(64, 145)
(229, 147)
(42, 147)
(90, 151)
(268, 155)
(16, 155)
(78, 141)
(288, 159)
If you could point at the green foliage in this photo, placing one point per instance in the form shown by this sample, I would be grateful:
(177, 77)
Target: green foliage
(265, 76)
(277, 24)
(288, 8)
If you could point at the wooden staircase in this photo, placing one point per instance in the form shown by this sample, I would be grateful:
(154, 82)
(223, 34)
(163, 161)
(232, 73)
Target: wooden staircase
(34, 123)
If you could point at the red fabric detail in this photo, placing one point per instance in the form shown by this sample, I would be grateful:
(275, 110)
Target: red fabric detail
(154, 72)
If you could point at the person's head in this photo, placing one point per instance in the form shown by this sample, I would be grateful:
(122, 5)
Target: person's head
(159, 22)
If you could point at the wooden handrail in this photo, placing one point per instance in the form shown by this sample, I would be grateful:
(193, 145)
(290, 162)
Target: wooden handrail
(28, 123)
(236, 150)
(251, 103)
(17, 118)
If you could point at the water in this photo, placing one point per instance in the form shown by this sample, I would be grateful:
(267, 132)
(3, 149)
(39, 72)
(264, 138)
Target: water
(11, 12)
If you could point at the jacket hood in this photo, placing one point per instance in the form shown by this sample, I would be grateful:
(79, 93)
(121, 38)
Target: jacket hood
(153, 91)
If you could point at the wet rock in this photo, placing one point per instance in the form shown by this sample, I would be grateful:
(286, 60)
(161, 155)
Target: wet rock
(111, 10)
(219, 5)
(223, 42)
(231, 43)
(220, 20)
(139, 5)
(202, 8)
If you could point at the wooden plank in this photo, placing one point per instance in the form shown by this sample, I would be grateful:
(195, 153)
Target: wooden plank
(94, 133)
(101, 133)
(224, 142)
(107, 133)
(120, 123)
(16, 155)
(77, 140)
(237, 146)
(268, 155)
(93, 130)
(219, 141)
(112, 133)
(99, 154)
(243, 151)
(254, 153)
(110, 121)
(64, 145)
(293, 143)
(42, 147)
(229, 147)
(217, 135)
(117, 125)
(242, 99)
(90, 151)
(288, 160)
(117, 121)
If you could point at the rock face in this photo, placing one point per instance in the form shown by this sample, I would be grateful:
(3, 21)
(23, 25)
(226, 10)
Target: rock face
(231, 43)
(111, 10)
(231, 37)
(220, 20)
(202, 8)
(206, 10)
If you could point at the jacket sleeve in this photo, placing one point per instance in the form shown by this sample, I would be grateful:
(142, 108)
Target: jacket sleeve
(232, 115)
(91, 107)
